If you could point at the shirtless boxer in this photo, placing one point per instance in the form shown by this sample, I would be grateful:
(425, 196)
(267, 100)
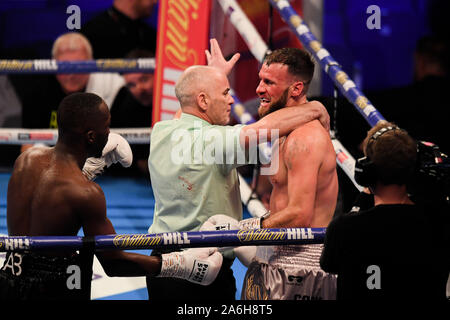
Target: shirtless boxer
(49, 195)
(304, 193)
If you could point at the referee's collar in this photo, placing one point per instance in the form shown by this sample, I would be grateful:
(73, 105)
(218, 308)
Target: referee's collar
(191, 118)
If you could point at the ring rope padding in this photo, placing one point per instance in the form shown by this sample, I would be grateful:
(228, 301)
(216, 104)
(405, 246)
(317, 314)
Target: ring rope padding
(51, 66)
(172, 240)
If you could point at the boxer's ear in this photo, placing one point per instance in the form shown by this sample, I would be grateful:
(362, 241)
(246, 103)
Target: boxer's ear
(297, 88)
(90, 136)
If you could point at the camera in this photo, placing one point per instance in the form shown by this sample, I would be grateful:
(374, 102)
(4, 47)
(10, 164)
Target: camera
(431, 179)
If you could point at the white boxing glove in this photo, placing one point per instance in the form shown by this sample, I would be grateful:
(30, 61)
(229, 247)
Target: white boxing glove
(245, 254)
(116, 150)
(220, 222)
(252, 223)
(197, 265)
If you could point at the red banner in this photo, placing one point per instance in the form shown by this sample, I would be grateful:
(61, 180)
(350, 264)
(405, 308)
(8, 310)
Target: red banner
(183, 34)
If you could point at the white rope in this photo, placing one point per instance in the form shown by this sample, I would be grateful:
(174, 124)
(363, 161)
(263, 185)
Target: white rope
(254, 206)
(345, 160)
(21, 136)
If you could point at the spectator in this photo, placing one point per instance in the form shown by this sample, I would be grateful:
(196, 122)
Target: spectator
(414, 107)
(39, 105)
(121, 28)
(9, 104)
(10, 116)
(132, 108)
(378, 253)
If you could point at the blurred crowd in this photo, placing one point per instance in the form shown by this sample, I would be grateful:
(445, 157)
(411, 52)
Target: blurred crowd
(119, 32)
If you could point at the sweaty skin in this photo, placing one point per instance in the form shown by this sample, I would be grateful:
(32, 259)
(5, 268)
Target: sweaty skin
(305, 186)
(44, 183)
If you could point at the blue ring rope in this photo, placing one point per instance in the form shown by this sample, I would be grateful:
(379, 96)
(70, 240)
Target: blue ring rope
(190, 239)
(87, 66)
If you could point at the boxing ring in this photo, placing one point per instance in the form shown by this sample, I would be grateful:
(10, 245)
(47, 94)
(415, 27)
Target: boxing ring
(131, 211)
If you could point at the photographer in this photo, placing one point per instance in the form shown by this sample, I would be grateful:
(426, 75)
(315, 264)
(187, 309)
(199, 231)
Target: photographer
(397, 249)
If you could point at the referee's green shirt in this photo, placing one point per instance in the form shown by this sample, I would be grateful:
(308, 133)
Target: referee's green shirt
(189, 182)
